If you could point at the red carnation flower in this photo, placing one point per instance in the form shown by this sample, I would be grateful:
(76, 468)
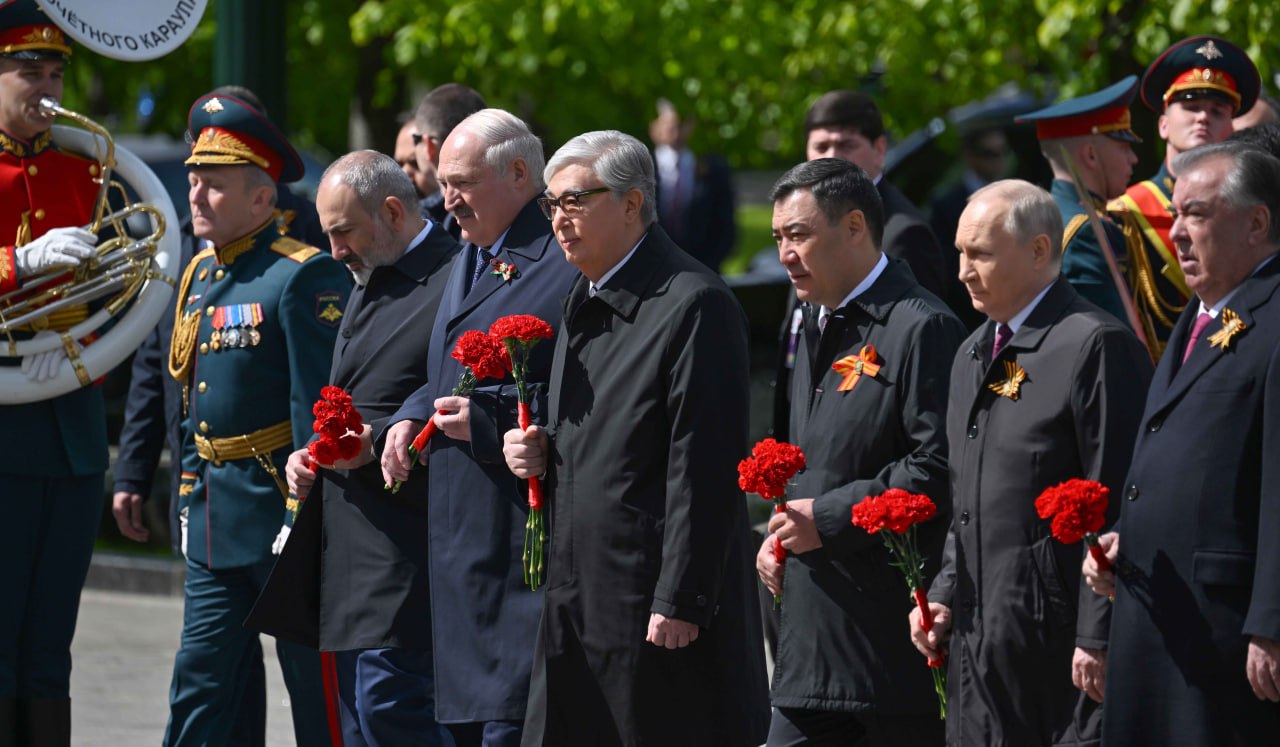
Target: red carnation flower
(522, 327)
(1078, 509)
(895, 510)
(484, 354)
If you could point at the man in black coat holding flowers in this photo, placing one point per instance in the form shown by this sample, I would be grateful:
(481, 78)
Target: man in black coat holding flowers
(1047, 391)
(650, 633)
(868, 396)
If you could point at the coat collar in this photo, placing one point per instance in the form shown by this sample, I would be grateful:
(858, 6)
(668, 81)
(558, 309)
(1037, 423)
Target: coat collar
(878, 300)
(629, 284)
(225, 255)
(527, 241)
(421, 260)
(1174, 377)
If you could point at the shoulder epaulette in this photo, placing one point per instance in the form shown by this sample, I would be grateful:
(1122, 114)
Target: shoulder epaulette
(293, 249)
(1069, 231)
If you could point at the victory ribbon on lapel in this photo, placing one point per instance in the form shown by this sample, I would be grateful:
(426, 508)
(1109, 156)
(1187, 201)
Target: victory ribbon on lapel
(852, 367)
(1008, 387)
(1231, 326)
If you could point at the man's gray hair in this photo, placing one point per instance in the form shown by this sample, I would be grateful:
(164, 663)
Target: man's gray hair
(374, 177)
(507, 138)
(1253, 179)
(620, 161)
(255, 177)
(1029, 211)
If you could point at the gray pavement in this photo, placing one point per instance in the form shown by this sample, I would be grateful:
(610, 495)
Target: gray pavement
(122, 658)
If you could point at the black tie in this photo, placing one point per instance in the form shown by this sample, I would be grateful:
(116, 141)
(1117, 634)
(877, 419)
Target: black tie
(483, 258)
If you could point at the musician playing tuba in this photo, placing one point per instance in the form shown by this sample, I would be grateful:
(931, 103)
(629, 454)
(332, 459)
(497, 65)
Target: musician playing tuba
(53, 453)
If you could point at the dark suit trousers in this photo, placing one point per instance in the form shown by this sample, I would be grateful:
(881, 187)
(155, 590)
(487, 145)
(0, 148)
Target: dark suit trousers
(50, 526)
(793, 727)
(388, 698)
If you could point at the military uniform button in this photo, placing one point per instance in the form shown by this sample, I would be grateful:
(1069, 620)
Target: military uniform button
(32, 170)
(202, 387)
(93, 169)
(204, 427)
(208, 311)
(964, 517)
(204, 348)
(39, 213)
(218, 275)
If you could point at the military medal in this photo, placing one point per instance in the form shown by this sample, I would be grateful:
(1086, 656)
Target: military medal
(232, 336)
(1009, 387)
(852, 367)
(1231, 326)
(215, 337)
(255, 318)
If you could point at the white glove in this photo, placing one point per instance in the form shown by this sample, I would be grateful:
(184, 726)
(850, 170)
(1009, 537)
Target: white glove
(277, 547)
(44, 366)
(61, 247)
(182, 528)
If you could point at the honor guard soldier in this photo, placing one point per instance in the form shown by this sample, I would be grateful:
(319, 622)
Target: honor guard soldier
(256, 320)
(53, 452)
(1196, 86)
(1089, 138)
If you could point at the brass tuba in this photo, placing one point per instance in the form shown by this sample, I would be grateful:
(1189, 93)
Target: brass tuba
(129, 280)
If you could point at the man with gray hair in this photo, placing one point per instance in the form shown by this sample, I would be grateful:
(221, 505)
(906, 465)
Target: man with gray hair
(483, 616)
(1045, 392)
(1195, 635)
(649, 634)
(363, 549)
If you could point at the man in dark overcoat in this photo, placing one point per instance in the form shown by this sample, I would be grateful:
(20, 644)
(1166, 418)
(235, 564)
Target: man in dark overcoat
(845, 667)
(1045, 392)
(352, 577)
(1195, 634)
(650, 633)
(484, 617)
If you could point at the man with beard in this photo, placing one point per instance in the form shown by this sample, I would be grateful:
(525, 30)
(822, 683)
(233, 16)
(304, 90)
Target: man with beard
(362, 547)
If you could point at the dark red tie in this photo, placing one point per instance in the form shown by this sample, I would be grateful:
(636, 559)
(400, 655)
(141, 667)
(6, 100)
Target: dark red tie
(1003, 333)
(1197, 329)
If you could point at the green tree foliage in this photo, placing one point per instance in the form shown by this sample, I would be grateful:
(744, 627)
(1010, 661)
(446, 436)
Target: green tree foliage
(745, 69)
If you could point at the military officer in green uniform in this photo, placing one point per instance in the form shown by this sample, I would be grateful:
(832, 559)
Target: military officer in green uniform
(254, 329)
(1091, 137)
(1196, 86)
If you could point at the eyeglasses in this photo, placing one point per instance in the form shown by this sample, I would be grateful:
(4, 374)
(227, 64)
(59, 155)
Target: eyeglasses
(570, 203)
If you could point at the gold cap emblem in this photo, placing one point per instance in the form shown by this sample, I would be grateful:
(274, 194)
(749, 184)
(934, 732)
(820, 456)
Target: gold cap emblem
(212, 106)
(1209, 50)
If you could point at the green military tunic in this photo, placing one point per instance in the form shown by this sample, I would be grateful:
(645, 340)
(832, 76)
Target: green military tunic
(254, 332)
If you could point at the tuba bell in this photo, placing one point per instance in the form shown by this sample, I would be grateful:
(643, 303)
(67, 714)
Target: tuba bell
(129, 280)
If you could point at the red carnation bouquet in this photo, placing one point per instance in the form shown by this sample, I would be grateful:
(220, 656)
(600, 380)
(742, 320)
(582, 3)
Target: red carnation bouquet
(767, 472)
(1078, 509)
(520, 333)
(898, 511)
(482, 356)
(338, 424)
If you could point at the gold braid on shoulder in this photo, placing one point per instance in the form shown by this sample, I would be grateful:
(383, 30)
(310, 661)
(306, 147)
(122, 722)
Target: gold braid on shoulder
(186, 331)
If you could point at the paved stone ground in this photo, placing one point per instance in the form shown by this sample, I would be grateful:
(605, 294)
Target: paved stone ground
(122, 659)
